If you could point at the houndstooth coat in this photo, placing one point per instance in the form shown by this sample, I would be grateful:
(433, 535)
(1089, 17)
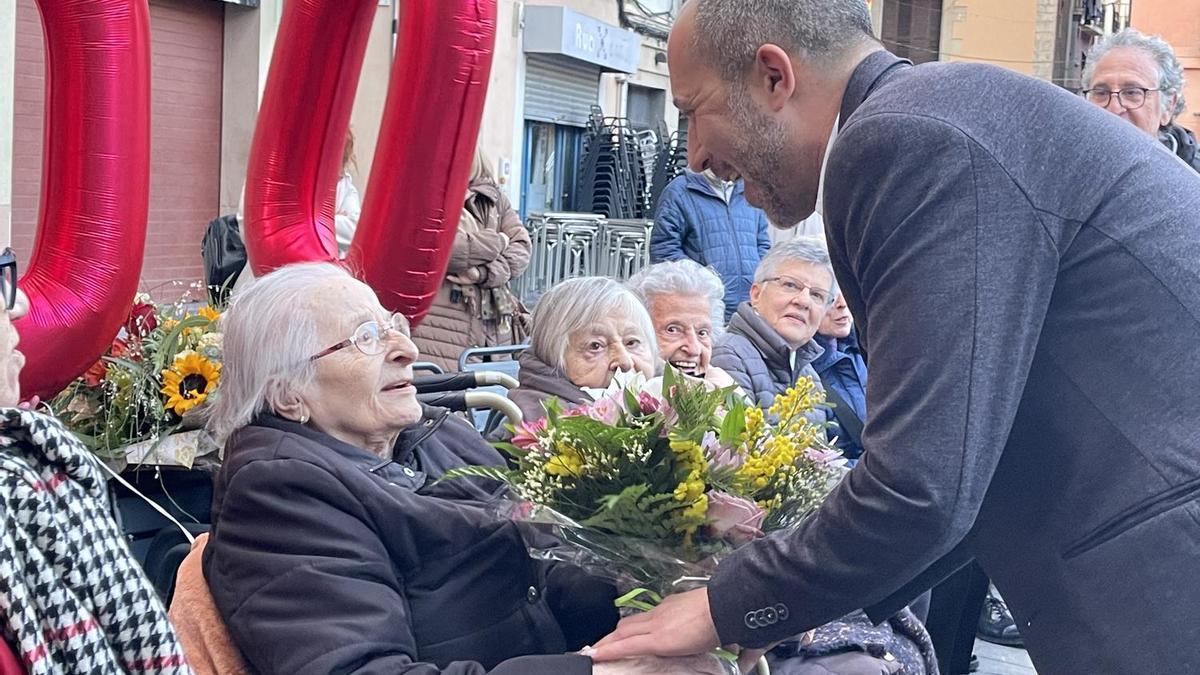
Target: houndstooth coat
(72, 597)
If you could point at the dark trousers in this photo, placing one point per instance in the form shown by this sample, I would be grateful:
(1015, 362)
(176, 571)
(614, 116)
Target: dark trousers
(954, 609)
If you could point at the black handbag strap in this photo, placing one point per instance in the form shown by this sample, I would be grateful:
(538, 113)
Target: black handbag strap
(847, 419)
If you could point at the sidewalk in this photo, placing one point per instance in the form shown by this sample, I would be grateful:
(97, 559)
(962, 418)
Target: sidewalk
(1001, 660)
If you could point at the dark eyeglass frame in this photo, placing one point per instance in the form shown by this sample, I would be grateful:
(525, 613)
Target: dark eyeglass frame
(1121, 94)
(830, 298)
(396, 322)
(8, 278)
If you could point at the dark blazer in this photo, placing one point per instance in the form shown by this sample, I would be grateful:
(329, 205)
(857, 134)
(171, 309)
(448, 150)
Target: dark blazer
(1024, 269)
(325, 559)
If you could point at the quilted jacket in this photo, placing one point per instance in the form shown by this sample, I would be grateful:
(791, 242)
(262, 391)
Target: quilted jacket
(694, 222)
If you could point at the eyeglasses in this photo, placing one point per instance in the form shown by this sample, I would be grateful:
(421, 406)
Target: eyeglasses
(793, 288)
(1130, 98)
(368, 337)
(8, 278)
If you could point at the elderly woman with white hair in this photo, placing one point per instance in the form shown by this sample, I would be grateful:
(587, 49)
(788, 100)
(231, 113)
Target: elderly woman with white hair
(686, 301)
(334, 547)
(769, 344)
(585, 331)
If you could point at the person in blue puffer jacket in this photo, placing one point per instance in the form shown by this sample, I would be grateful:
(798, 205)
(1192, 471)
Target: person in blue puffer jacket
(708, 220)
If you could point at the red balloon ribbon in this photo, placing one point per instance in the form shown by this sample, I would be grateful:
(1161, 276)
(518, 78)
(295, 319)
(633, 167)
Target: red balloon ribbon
(422, 158)
(87, 257)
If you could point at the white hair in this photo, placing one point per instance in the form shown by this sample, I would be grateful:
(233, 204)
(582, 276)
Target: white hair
(683, 277)
(1170, 71)
(729, 32)
(576, 304)
(268, 340)
(809, 249)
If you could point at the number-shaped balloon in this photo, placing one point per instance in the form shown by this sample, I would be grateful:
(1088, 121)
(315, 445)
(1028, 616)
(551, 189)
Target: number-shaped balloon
(422, 158)
(87, 257)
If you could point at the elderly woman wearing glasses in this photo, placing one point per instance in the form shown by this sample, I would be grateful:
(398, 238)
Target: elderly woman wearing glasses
(585, 331)
(769, 343)
(334, 548)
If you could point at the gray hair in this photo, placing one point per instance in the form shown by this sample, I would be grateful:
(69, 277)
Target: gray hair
(256, 378)
(575, 304)
(685, 277)
(810, 249)
(729, 32)
(1170, 71)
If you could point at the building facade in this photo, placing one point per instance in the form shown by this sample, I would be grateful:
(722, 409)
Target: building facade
(553, 61)
(209, 61)
(1177, 22)
(1046, 39)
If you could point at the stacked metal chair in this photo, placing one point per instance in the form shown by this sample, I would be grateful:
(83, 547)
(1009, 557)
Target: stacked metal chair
(562, 249)
(612, 178)
(670, 162)
(620, 172)
(623, 247)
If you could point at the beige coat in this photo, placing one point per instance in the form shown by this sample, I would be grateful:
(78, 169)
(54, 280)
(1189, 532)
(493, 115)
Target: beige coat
(491, 248)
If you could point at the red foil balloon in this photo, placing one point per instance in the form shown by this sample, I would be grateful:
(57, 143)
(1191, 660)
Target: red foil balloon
(87, 257)
(422, 158)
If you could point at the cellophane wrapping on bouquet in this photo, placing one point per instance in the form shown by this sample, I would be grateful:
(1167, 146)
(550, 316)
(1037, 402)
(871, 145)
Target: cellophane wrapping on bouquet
(655, 481)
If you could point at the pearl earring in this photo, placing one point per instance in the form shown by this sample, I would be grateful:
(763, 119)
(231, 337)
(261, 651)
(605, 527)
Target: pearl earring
(304, 419)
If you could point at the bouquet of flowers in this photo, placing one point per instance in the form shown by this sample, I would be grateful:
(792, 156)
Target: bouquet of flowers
(165, 362)
(654, 481)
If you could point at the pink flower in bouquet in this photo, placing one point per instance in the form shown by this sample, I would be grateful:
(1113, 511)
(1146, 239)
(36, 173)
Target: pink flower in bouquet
(649, 404)
(734, 519)
(605, 410)
(577, 411)
(826, 457)
(526, 435)
(719, 455)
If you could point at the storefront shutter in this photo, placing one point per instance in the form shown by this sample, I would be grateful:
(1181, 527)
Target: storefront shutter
(560, 90)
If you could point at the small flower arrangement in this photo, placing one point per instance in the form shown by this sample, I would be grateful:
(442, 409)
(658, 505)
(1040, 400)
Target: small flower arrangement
(654, 481)
(165, 362)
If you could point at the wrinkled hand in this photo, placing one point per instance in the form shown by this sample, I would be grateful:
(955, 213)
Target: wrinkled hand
(718, 377)
(749, 658)
(681, 626)
(703, 664)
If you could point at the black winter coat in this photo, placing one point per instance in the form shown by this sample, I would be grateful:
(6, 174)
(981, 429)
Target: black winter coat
(1182, 142)
(325, 559)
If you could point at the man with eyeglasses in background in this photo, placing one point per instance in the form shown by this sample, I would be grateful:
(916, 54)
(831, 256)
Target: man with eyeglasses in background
(1138, 78)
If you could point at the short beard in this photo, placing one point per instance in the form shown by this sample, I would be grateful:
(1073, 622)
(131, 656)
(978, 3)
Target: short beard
(760, 143)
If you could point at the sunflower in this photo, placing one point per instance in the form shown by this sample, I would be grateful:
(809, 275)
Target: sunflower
(209, 312)
(189, 381)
